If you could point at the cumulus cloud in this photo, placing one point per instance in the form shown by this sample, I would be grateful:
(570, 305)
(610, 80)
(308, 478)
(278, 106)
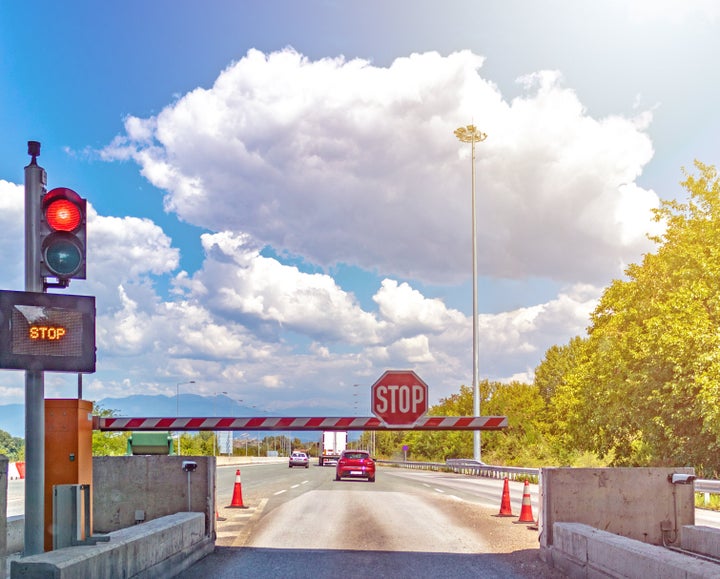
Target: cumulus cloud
(340, 161)
(12, 234)
(240, 284)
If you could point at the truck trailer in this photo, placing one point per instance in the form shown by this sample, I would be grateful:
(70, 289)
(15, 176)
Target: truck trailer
(331, 445)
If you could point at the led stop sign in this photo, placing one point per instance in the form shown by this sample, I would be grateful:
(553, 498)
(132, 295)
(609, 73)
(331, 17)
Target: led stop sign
(41, 331)
(399, 398)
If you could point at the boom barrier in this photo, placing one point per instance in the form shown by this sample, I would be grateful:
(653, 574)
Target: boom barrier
(265, 423)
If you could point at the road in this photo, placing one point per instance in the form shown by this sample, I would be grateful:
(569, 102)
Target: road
(301, 523)
(16, 498)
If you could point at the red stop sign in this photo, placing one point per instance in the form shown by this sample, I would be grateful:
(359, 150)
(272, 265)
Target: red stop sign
(399, 398)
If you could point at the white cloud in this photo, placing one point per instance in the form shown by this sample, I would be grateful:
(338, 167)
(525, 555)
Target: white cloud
(345, 162)
(240, 284)
(12, 235)
(338, 161)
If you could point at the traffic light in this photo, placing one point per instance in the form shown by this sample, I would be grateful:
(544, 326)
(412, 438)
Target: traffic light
(62, 235)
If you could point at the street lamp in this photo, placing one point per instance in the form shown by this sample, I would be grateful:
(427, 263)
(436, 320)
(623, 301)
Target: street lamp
(470, 134)
(177, 408)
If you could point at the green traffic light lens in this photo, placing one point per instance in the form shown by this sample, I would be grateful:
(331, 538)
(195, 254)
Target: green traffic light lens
(63, 255)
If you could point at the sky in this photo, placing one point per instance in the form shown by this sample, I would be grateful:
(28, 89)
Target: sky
(279, 209)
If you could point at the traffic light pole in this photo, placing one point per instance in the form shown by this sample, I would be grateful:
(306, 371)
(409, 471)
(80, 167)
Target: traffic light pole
(35, 181)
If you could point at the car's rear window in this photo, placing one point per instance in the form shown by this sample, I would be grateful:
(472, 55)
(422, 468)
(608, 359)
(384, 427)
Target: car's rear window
(356, 455)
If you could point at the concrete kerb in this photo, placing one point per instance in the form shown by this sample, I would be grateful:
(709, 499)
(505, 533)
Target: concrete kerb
(162, 547)
(582, 551)
(15, 535)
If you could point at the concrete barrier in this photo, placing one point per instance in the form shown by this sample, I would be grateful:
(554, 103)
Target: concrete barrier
(701, 539)
(162, 547)
(152, 487)
(582, 551)
(15, 534)
(630, 502)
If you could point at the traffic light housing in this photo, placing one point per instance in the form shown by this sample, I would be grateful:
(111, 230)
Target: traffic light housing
(62, 235)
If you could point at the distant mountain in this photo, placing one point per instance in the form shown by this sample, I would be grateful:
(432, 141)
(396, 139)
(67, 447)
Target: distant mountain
(12, 416)
(141, 405)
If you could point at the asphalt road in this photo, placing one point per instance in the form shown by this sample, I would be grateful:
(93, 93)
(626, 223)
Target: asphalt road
(301, 523)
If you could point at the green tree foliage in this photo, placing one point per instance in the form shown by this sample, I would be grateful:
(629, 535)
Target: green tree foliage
(198, 444)
(108, 443)
(12, 447)
(644, 387)
(521, 443)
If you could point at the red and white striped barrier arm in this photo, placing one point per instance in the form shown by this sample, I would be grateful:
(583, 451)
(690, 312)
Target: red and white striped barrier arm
(301, 423)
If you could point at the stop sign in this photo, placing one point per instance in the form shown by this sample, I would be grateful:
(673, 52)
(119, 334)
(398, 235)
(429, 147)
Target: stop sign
(399, 398)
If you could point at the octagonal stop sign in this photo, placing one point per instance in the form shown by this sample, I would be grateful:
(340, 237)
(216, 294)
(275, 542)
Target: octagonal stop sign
(399, 398)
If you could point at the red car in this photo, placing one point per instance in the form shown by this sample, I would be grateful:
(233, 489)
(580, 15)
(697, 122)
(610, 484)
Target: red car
(355, 464)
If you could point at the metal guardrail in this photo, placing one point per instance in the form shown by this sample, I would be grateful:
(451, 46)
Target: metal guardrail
(707, 486)
(469, 467)
(476, 468)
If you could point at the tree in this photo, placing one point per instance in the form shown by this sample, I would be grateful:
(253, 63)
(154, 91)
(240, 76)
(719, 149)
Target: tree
(108, 443)
(12, 447)
(645, 388)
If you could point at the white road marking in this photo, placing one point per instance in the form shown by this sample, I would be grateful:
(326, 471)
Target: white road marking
(280, 492)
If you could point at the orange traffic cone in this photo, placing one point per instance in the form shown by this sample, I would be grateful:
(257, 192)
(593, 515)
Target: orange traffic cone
(218, 517)
(237, 500)
(505, 507)
(526, 515)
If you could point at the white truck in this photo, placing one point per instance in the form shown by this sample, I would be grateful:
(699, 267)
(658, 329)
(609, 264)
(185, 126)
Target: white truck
(331, 445)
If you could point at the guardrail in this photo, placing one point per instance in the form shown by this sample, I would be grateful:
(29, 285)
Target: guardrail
(470, 467)
(477, 468)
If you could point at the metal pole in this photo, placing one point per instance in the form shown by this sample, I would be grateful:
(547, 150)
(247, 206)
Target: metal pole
(476, 354)
(471, 134)
(35, 181)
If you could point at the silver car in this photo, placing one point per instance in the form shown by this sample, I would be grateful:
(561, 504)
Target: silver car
(299, 459)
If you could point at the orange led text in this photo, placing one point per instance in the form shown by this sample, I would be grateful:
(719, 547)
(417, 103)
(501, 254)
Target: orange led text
(47, 332)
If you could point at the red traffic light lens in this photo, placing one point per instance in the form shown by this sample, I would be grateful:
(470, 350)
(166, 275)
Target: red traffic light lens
(63, 215)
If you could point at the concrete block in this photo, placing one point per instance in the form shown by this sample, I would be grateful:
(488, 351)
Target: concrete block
(571, 542)
(15, 534)
(629, 502)
(613, 556)
(156, 485)
(622, 557)
(159, 548)
(700, 539)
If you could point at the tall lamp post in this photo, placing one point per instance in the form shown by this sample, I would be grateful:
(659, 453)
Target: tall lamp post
(177, 408)
(470, 134)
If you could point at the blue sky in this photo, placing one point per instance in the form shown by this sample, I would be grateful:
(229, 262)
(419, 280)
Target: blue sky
(280, 209)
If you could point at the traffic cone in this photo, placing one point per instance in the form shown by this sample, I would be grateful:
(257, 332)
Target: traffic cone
(505, 507)
(526, 515)
(237, 500)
